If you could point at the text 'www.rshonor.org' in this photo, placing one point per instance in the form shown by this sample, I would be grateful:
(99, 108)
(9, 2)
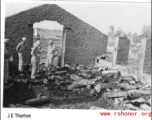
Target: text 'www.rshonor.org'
(122, 113)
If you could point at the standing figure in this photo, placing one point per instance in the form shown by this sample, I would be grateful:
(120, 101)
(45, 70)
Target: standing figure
(52, 52)
(35, 59)
(20, 51)
(40, 50)
(7, 57)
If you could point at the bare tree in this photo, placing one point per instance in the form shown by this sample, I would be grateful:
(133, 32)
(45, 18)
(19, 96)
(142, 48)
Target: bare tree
(111, 33)
(135, 37)
(119, 32)
(112, 28)
(129, 34)
(146, 30)
(124, 34)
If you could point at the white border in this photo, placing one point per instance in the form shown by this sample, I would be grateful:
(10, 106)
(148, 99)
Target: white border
(39, 114)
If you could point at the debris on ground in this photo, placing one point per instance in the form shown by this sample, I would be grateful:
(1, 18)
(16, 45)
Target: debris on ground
(74, 85)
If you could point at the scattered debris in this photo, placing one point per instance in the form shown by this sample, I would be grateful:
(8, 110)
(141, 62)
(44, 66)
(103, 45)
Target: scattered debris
(97, 81)
(139, 100)
(149, 101)
(132, 107)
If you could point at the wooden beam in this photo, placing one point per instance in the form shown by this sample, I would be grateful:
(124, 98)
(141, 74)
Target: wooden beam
(131, 93)
(63, 47)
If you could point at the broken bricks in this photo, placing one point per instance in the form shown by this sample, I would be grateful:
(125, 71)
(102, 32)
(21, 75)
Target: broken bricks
(56, 77)
(115, 94)
(139, 100)
(126, 90)
(98, 88)
(127, 87)
(132, 107)
(134, 96)
(116, 101)
(110, 72)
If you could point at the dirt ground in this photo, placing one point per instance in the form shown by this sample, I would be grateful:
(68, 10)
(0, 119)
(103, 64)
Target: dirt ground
(63, 99)
(59, 98)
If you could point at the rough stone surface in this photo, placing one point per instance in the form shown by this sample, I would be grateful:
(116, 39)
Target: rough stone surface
(83, 42)
(147, 61)
(123, 51)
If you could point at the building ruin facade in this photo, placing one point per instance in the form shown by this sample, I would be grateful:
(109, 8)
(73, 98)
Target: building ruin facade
(83, 42)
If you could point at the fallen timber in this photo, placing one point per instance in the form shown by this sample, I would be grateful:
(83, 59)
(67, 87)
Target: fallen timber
(130, 93)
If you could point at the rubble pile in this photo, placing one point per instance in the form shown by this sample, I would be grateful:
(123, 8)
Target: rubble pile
(102, 83)
(132, 94)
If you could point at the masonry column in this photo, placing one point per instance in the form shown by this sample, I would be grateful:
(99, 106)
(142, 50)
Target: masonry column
(147, 60)
(141, 58)
(123, 51)
(63, 47)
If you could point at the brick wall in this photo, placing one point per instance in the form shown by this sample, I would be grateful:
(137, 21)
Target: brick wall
(147, 61)
(15, 31)
(83, 42)
(123, 51)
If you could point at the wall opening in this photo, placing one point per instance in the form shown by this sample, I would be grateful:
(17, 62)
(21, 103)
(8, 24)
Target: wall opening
(47, 30)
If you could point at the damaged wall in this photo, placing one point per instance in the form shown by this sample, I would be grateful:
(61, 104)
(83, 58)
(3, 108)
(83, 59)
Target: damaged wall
(83, 42)
(123, 51)
(147, 61)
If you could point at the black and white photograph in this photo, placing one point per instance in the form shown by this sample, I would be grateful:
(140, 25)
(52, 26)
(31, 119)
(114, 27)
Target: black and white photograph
(77, 55)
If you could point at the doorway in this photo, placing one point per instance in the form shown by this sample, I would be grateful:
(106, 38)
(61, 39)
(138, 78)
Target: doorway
(46, 30)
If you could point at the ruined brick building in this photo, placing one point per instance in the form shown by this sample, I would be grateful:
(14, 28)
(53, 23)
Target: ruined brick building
(147, 60)
(83, 42)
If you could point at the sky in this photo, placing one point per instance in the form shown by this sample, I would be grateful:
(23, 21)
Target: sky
(130, 17)
(48, 25)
